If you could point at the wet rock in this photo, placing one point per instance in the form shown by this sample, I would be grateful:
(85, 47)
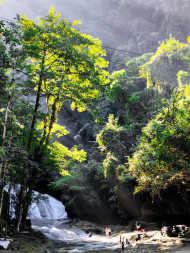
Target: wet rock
(89, 227)
(187, 233)
(131, 226)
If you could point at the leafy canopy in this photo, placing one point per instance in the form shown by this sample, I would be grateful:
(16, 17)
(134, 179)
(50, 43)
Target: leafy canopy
(72, 64)
(162, 157)
(66, 66)
(126, 81)
(161, 71)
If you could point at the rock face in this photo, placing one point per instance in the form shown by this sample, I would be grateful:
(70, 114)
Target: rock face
(79, 126)
(88, 201)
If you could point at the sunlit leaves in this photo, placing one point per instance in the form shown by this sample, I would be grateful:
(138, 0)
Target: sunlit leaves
(183, 78)
(162, 157)
(63, 157)
(57, 129)
(161, 71)
(111, 140)
(72, 59)
(66, 66)
(74, 179)
(126, 81)
(61, 64)
(112, 124)
(53, 14)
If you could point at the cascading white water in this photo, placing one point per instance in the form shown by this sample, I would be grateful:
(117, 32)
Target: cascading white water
(47, 207)
(44, 206)
(49, 216)
(78, 137)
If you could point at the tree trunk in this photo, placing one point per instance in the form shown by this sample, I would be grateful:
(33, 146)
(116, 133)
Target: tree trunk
(39, 148)
(22, 197)
(4, 163)
(52, 119)
(37, 104)
(47, 130)
(20, 204)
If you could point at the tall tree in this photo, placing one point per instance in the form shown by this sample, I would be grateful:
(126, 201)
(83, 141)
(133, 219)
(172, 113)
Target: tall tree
(66, 66)
(11, 72)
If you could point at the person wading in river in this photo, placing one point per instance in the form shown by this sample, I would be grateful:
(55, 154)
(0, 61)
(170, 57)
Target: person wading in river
(122, 244)
(138, 225)
(108, 231)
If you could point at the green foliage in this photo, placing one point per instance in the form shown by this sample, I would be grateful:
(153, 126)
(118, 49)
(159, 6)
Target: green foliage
(58, 157)
(112, 124)
(110, 165)
(74, 180)
(71, 62)
(133, 98)
(162, 157)
(161, 71)
(141, 107)
(183, 78)
(14, 108)
(126, 81)
(118, 80)
(79, 175)
(47, 59)
(56, 129)
(66, 66)
(111, 140)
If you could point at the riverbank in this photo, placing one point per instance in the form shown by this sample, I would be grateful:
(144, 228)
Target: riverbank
(27, 242)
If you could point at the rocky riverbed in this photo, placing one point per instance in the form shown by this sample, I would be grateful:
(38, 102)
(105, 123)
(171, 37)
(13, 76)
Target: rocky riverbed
(57, 236)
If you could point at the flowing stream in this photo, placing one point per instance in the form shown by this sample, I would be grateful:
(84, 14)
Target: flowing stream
(49, 216)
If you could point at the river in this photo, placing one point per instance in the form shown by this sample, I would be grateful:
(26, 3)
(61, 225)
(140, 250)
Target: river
(68, 238)
(49, 216)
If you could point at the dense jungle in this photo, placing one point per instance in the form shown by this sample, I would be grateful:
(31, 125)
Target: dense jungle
(104, 129)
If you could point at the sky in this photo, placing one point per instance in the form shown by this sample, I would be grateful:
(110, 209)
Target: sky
(92, 13)
(30, 8)
(70, 9)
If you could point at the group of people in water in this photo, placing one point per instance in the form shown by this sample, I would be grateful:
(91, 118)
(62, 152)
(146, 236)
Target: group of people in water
(125, 241)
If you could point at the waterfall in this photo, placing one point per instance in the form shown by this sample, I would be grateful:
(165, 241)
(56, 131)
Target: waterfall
(43, 206)
(83, 128)
(47, 207)
(78, 137)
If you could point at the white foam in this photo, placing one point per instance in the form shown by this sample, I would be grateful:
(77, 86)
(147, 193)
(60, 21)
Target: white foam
(47, 207)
